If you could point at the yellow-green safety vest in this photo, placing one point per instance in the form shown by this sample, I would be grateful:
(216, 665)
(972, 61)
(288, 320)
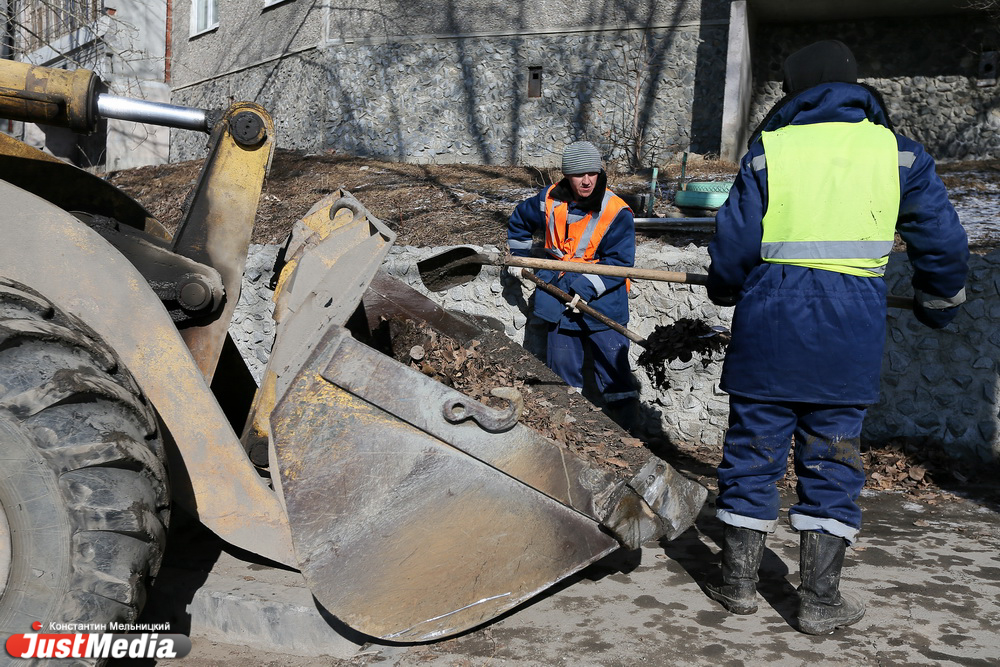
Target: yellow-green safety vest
(833, 196)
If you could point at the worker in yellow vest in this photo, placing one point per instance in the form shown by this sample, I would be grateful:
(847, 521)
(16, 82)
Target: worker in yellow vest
(800, 249)
(583, 221)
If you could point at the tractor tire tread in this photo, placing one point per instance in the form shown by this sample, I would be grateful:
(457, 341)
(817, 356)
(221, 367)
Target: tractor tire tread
(85, 433)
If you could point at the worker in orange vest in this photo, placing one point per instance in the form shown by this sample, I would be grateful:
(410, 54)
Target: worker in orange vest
(583, 221)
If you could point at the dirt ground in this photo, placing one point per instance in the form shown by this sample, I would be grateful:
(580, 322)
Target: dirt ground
(426, 205)
(440, 205)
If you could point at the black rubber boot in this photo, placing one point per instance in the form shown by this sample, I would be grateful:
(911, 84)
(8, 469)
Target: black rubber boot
(742, 550)
(822, 607)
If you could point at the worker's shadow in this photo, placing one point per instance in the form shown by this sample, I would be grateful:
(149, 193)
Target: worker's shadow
(704, 564)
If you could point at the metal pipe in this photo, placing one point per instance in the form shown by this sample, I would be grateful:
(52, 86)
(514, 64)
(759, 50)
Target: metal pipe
(663, 224)
(153, 113)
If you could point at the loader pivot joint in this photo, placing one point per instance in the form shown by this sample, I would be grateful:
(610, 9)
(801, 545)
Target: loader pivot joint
(194, 293)
(247, 128)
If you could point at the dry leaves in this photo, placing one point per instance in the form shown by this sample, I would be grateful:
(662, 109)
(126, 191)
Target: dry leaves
(550, 408)
(917, 467)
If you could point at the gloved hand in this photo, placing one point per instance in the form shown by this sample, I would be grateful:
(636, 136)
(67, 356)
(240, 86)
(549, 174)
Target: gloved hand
(935, 318)
(720, 293)
(571, 306)
(723, 300)
(517, 272)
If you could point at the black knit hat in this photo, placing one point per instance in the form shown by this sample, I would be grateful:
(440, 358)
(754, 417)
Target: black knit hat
(820, 62)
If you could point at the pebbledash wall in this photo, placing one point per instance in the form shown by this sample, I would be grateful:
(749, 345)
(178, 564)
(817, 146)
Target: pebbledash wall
(442, 101)
(421, 82)
(940, 385)
(937, 75)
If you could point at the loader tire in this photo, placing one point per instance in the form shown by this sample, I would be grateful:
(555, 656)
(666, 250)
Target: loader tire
(84, 502)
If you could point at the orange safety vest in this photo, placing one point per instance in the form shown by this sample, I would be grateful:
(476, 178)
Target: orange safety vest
(575, 238)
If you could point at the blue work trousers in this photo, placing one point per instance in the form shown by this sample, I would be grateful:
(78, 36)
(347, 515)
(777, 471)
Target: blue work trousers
(827, 463)
(565, 350)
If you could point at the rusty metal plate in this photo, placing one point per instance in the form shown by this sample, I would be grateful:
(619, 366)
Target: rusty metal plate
(399, 534)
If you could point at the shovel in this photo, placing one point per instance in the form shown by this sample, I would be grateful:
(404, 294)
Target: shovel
(583, 307)
(462, 264)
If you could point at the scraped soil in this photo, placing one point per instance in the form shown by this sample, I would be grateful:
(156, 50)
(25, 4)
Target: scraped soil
(445, 205)
(426, 205)
(435, 205)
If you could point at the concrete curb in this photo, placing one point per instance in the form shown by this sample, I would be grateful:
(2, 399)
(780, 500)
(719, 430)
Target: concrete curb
(211, 592)
(264, 608)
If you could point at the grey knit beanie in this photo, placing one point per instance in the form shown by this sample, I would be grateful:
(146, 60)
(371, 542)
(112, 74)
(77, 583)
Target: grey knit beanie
(581, 157)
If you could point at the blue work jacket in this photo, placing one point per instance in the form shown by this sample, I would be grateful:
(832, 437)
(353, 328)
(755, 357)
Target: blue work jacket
(813, 335)
(606, 294)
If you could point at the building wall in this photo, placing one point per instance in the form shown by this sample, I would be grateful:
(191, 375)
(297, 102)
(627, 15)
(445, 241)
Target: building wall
(927, 69)
(435, 87)
(430, 83)
(139, 39)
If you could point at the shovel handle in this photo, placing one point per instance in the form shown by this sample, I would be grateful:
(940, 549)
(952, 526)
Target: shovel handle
(583, 307)
(903, 302)
(605, 270)
(892, 301)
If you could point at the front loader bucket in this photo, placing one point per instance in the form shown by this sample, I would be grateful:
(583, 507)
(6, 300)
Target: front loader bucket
(416, 511)
(399, 532)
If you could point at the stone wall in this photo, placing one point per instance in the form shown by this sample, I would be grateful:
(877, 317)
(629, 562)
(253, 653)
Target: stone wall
(466, 101)
(942, 385)
(927, 70)
(462, 97)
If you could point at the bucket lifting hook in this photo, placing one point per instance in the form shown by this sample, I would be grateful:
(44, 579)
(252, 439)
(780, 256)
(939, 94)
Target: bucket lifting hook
(456, 410)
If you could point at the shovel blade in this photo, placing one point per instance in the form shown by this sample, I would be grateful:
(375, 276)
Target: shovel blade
(452, 268)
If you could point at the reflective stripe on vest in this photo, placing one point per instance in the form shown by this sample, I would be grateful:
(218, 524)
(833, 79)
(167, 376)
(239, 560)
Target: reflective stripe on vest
(575, 238)
(833, 197)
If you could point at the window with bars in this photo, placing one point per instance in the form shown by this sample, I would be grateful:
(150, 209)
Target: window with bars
(41, 22)
(204, 16)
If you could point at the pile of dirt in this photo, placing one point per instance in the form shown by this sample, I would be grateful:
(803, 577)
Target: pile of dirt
(448, 204)
(681, 340)
(426, 205)
(549, 407)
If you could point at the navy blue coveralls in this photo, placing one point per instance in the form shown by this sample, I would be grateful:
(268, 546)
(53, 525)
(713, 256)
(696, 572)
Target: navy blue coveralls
(570, 333)
(807, 343)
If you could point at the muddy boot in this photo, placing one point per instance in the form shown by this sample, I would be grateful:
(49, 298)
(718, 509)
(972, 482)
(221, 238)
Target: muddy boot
(822, 607)
(742, 550)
